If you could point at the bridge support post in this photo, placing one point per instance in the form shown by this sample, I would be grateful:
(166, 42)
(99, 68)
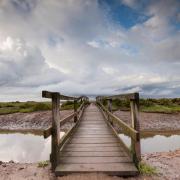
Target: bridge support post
(75, 110)
(110, 110)
(55, 129)
(135, 145)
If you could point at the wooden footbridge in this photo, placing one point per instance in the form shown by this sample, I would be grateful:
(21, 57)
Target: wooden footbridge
(92, 144)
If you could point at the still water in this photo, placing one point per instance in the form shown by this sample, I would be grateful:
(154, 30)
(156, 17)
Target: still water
(156, 143)
(34, 148)
(24, 147)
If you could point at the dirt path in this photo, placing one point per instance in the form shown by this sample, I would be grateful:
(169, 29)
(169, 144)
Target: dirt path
(153, 121)
(167, 165)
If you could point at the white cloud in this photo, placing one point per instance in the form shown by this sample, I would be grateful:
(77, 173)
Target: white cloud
(23, 65)
(70, 46)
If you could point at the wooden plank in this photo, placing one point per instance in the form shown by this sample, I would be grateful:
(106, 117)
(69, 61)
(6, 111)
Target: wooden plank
(93, 140)
(94, 125)
(92, 153)
(92, 135)
(100, 131)
(93, 129)
(93, 145)
(120, 169)
(93, 132)
(95, 160)
(95, 149)
(92, 122)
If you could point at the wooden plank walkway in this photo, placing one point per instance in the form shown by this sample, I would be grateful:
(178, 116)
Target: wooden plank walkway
(94, 148)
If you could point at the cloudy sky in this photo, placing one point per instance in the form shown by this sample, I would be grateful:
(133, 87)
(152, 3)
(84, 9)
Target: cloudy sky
(89, 47)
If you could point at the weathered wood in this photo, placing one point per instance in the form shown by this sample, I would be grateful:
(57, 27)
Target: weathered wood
(129, 96)
(119, 169)
(126, 128)
(94, 140)
(48, 94)
(110, 110)
(55, 129)
(75, 111)
(70, 131)
(93, 154)
(135, 144)
(66, 119)
(94, 132)
(116, 134)
(47, 132)
(93, 147)
(65, 137)
(92, 135)
(80, 108)
(95, 160)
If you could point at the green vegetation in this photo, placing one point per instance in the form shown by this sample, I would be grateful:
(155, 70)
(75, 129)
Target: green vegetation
(69, 105)
(160, 105)
(31, 106)
(163, 105)
(148, 170)
(43, 164)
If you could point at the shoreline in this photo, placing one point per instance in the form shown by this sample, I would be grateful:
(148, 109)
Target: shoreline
(41, 120)
(166, 163)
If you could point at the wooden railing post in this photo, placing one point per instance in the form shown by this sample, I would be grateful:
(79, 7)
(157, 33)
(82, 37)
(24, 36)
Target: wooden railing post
(55, 129)
(110, 110)
(75, 110)
(135, 145)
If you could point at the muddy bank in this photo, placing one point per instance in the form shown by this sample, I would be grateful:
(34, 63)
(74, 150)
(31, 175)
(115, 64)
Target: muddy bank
(29, 121)
(167, 165)
(153, 121)
(42, 120)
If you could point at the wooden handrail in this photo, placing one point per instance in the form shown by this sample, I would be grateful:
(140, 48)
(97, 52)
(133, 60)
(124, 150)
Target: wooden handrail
(47, 132)
(67, 118)
(54, 130)
(125, 127)
(69, 132)
(129, 96)
(48, 94)
(134, 130)
(79, 109)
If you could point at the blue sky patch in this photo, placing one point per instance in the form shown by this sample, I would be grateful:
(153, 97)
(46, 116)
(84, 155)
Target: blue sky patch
(122, 14)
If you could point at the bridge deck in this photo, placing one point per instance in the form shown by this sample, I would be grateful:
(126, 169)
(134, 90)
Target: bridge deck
(94, 148)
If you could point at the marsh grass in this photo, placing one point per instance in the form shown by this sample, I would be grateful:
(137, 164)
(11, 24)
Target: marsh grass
(43, 164)
(163, 105)
(146, 169)
(31, 106)
(24, 107)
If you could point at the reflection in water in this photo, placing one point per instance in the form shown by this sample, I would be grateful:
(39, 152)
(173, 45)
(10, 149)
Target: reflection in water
(24, 147)
(157, 143)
